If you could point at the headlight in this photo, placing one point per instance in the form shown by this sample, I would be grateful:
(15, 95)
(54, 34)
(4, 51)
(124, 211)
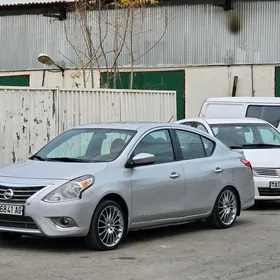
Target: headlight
(72, 190)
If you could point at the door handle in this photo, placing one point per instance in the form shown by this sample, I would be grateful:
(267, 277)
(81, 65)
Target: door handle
(218, 170)
(174, 175)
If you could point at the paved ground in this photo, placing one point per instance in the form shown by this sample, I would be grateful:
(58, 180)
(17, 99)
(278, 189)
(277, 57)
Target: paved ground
(249, 250)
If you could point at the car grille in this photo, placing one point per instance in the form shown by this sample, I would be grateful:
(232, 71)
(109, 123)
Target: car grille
(17, 222)
(21, 194)
(269, 192)
(267, 172)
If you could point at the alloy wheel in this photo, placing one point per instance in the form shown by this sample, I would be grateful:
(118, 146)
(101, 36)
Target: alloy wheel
(110, 226)
(227, 207)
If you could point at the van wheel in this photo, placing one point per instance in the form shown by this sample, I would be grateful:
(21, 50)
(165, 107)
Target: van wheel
(108, 226)
(225, 210)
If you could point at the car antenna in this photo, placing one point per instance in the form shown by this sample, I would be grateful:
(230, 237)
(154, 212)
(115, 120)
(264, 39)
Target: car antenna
(171, 118)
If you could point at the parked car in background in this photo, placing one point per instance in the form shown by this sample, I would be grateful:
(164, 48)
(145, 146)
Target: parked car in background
(99, 181)
(260, 143)
(265, 108)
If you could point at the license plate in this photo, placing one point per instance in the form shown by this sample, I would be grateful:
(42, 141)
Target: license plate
(8, 209)
(274, 185)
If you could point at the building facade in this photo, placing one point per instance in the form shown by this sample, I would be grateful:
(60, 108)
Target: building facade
(198, 56)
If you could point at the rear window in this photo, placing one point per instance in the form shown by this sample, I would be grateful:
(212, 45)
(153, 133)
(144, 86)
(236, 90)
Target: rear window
(268, 113)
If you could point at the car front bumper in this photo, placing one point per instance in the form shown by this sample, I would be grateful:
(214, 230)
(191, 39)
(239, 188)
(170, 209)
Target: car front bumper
(263, 190)
(43, 219)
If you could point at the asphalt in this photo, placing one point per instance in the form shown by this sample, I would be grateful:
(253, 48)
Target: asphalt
(249, 250)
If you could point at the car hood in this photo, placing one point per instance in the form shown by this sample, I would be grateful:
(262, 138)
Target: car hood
(33, 169)
(263, 157)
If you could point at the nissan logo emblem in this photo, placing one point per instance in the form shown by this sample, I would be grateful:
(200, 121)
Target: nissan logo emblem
(8, 194)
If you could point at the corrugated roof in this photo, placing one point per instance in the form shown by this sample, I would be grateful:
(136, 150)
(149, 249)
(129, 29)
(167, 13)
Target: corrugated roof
(30, 2)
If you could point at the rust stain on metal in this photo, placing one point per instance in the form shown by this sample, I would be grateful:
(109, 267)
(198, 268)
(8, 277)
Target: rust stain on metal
(13, 156)
(48, 130)
(37, 121)
(53, 102)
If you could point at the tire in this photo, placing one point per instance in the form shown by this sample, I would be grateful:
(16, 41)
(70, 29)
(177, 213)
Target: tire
(227, 218)
(103, 236)
(9, 236)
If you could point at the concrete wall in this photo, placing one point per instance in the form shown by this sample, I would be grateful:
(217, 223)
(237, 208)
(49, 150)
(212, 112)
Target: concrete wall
(217, 81)
(71, 79)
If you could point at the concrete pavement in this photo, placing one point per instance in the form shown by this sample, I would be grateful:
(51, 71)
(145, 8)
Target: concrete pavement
(248, 251)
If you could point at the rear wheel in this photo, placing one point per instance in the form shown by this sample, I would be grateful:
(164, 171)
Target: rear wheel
(9, 235)
(225, 210)
(108, 226)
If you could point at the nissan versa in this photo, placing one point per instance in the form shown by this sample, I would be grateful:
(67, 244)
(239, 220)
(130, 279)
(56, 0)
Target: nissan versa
(99, 181)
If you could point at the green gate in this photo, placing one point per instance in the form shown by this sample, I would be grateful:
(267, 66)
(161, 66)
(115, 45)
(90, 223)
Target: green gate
(15, 81)
(155, 80)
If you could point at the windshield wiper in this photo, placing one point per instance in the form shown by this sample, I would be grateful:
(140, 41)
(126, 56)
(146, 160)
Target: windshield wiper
(261, 145)
(235, 147)
(37, 157)
(66, 159)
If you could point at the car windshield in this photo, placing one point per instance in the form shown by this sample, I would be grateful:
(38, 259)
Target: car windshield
(247, 136)
(86, 145)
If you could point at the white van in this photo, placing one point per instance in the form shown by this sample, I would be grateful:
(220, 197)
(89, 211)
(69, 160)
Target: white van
(265, 108)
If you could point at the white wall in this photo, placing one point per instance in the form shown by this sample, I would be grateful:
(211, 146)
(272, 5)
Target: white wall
(217, 81)
(201, 82)
(55, 79)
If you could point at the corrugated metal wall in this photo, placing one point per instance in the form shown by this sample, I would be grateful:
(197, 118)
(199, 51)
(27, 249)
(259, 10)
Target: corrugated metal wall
(196, 34)
(29, 118)
(85, 106)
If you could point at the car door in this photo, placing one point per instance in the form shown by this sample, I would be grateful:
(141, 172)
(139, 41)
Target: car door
(201, 170)
(158, 190)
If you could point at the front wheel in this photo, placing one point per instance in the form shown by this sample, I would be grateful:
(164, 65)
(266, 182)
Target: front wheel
(225, 210)
(108, 226)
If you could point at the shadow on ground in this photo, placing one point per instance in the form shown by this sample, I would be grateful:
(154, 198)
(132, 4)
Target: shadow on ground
(266, 206)
(72, 245)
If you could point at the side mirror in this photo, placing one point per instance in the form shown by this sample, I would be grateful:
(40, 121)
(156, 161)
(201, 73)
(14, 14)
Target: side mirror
(142, 159)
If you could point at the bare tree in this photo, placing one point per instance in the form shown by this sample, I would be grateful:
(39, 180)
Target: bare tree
(102, 31)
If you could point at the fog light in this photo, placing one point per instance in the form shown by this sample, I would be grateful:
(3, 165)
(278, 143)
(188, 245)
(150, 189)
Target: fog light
(63, 222)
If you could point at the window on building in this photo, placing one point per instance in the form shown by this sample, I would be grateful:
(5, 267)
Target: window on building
(15, 81)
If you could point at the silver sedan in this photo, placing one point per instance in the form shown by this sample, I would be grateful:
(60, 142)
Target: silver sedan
(100, 181)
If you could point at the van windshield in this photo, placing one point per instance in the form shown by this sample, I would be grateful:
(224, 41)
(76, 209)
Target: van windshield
(247, 136)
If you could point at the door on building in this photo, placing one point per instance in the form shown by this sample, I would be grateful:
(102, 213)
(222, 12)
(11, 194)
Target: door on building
(15, 81)
(277, 81)
(155, 80)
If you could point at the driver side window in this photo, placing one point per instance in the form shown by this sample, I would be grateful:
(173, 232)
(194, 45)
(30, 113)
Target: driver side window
(201, 127)
(268, 137)
(157, 143)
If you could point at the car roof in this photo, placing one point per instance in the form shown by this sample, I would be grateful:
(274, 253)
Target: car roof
(128, 125)
(226, 121)
(245, 99)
